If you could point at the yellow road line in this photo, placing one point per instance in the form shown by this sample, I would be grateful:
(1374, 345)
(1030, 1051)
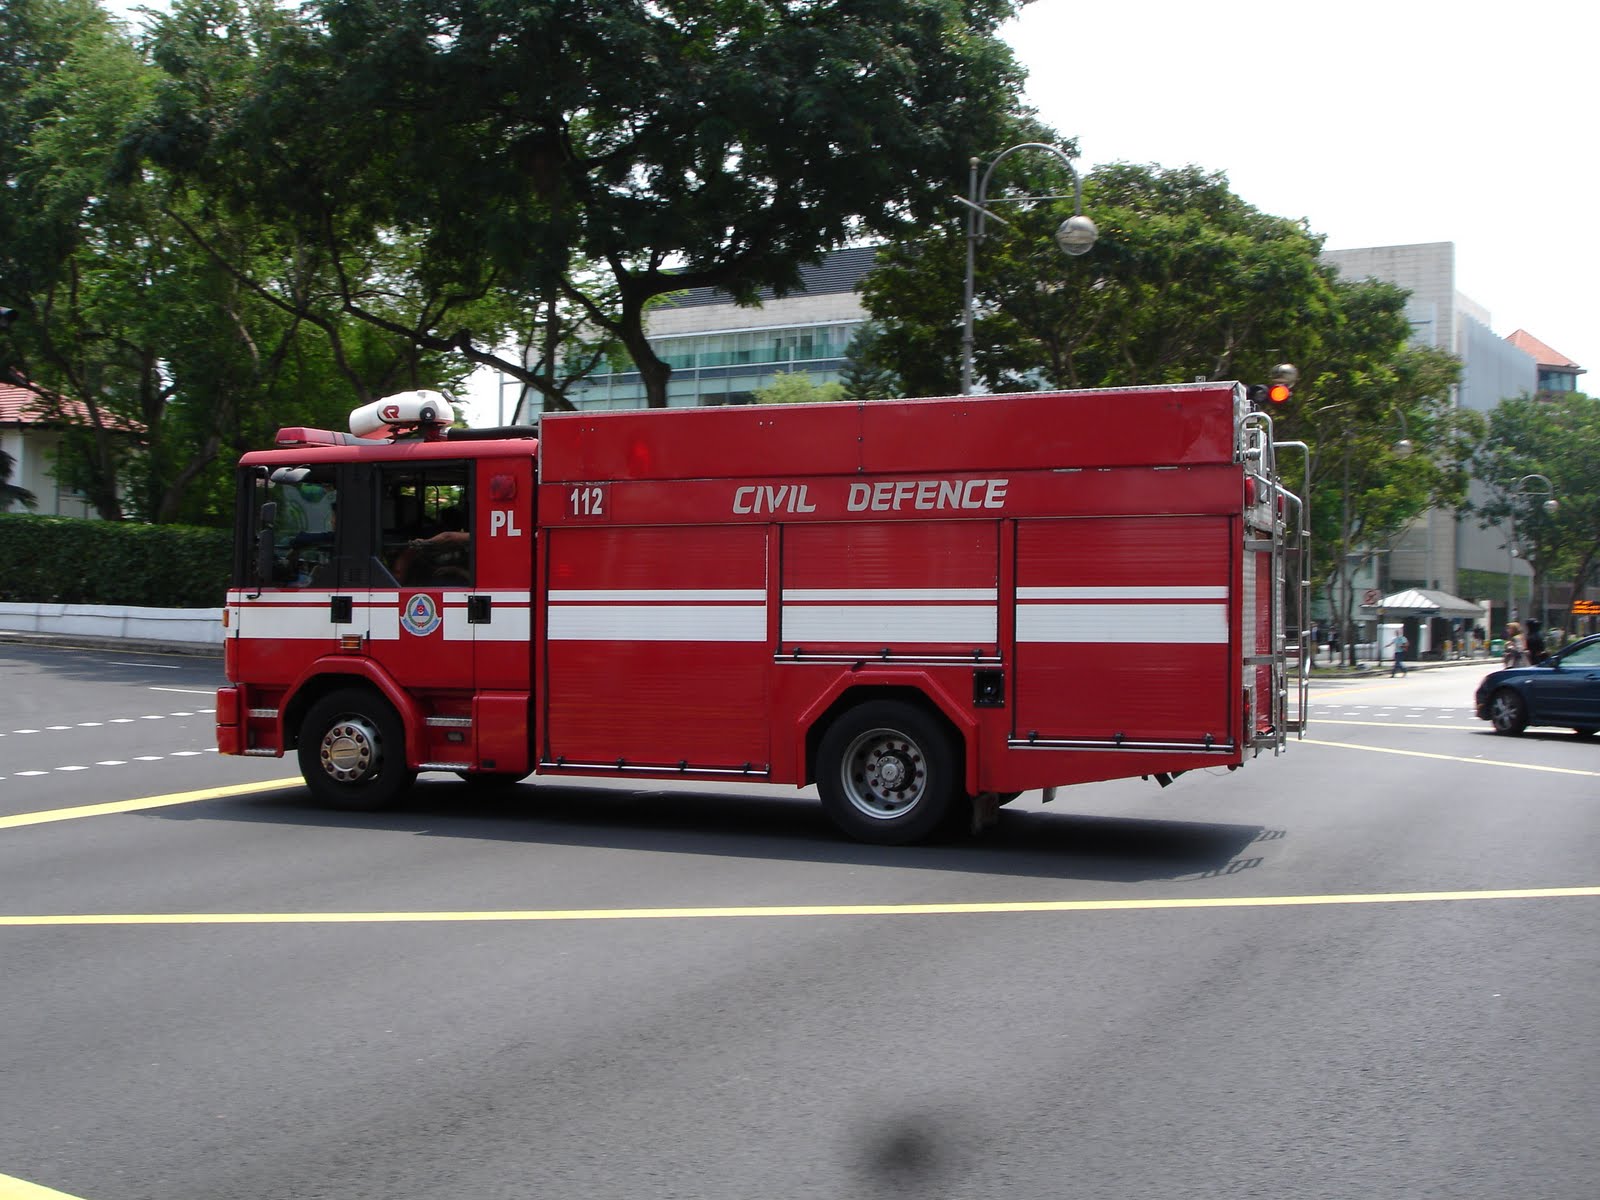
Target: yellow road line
(1456, 758)
(797, 910)
(21, 1189)
(122, 806)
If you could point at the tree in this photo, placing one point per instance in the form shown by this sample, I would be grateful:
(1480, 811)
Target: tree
(796, 387)
(1186, 281)
(683, 144)
(1386, 444)
(865, 375)
(1560, 439)
(161, 330)
(68, 82)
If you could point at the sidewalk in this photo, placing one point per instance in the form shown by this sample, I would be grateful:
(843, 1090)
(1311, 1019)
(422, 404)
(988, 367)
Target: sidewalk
(1361, 670)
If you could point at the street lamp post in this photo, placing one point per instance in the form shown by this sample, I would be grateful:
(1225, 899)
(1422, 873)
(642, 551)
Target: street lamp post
(1076, 235)
(1516, 491)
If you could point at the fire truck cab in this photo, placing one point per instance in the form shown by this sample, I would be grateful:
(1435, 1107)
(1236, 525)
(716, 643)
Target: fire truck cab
(924, 607)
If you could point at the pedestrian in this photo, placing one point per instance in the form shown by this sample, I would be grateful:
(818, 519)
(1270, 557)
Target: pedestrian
(1316, 641)
(1333, 646)
(1516, 646)
(1399, 647)
(1535, 640)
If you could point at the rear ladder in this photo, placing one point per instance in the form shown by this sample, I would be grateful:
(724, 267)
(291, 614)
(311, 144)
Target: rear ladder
(1289, 549)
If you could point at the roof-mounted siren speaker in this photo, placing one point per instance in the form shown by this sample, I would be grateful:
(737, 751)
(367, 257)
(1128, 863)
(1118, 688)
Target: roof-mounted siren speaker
(404, 410)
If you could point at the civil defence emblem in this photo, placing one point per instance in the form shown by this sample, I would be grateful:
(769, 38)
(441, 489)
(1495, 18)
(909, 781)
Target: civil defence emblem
(421, 615)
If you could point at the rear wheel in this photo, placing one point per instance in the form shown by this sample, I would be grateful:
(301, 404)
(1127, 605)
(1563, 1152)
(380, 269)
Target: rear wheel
(887, 772)
(1508, 711)
(352, 751)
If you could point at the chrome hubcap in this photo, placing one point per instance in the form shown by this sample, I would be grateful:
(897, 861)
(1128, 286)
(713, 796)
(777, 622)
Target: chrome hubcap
(350, 750)
(885, 774)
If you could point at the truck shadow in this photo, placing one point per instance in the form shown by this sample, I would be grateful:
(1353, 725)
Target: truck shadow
(783, 828)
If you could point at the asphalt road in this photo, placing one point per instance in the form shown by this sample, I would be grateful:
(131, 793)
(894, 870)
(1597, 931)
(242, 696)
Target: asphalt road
(1367, 968)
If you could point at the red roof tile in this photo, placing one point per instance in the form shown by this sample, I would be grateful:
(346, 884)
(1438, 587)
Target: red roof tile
(20, 407)
(1541, 353)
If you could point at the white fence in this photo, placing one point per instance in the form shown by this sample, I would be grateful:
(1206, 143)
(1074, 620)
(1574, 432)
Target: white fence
(192, 626)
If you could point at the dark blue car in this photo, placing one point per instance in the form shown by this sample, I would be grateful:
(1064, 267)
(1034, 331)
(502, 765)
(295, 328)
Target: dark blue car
(1562, 690)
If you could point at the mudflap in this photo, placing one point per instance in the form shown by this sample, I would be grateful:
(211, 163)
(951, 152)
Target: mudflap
(985, 811)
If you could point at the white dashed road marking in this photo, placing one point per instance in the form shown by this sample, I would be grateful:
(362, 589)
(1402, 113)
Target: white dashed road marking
(113, 762)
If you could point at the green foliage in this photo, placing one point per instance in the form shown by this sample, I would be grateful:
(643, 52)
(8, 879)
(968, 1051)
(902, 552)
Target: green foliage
(1558, 438)
(798, 388)
(865, 375)
(682, 144)
(63, 560)
(168, 334)
(1186, 281)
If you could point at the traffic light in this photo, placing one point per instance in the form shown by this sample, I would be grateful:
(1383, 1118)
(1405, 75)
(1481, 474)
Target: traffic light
(1268, 395)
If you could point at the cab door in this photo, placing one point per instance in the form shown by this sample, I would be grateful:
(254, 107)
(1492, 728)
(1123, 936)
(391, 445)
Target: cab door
(455, 548)
(421, 574)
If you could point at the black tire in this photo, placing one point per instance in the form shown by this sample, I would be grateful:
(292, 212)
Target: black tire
(889, 773)
(352, 751)
(1508, 712)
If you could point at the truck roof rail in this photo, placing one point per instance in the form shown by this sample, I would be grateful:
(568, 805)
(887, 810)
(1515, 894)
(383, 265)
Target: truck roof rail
(302, 435)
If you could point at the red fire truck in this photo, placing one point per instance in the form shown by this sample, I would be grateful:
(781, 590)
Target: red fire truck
(924, 607)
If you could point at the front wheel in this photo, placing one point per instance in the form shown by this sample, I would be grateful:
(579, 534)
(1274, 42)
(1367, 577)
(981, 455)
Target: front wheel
(352, 751)
(1508, 712)
(888, 773)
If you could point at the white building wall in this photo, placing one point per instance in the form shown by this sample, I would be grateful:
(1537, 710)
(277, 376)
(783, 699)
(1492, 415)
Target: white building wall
(1440, 543)
(33, 453)
(792, 310)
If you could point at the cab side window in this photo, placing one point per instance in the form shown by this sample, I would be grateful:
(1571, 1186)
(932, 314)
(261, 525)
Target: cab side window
(305, 530)
(425, 538)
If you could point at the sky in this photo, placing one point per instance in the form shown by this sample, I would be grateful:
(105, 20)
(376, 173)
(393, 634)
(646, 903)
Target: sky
(1380, 124)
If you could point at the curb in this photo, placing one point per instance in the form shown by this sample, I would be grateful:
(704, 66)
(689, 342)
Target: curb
(85, 641)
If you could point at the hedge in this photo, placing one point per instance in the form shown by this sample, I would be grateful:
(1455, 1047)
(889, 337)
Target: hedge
(67, 560)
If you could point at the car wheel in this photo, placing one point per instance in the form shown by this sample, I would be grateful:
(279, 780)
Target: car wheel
(352, 751)
(888, 773)
(1508, 711)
